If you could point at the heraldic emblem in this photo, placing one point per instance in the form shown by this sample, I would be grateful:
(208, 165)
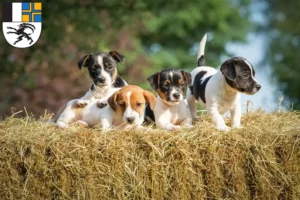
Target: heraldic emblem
(22, 23)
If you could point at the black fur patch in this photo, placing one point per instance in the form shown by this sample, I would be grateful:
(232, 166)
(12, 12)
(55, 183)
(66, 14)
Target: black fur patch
(191, 89)
(92, 87)
(109, 65)
(168, 82)
(119, 82)
(201, 61)
(238, 75)
(200, 85)
(231, 83)
(149, 115)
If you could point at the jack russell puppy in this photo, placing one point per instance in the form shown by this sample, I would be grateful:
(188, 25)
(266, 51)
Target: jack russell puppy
(219, 91)
(125, 109)
(103, 71)
(170, 110)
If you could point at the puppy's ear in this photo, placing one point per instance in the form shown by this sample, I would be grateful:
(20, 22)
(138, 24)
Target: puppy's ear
(116, 56)
(150, 98)
(154, 80)
(112, 101)
(228, 69)
(82, 61)
(187, 77)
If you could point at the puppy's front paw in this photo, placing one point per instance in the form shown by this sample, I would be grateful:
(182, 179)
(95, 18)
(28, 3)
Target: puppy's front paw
(81, 103)
(223, 128)
(195, 120)
(172, 127)
(236, 126)
(101, 104)
(82, 123)
(188, 126)
(61, 124)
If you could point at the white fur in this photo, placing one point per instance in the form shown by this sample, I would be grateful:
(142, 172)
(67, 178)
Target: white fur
(100, 93)
(129, 112)
(91, 114)
(166, 115)
(173, 91)
(202, 47)
(220, 97)
(106, 117)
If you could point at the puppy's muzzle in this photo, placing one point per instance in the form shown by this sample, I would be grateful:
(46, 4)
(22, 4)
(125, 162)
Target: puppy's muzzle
(130, 120)
(102, 79)
(258, 87)
(176, 96)
(254, 89)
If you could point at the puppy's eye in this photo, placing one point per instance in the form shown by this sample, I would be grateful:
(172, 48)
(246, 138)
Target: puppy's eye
(109, 67)
(122, 105)
(138, 104)
(165, 85)
(245, 75)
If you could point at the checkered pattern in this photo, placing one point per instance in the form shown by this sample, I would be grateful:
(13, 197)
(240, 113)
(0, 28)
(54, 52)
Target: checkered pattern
(31, 12)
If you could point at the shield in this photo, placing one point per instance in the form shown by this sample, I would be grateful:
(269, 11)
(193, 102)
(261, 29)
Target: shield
(22, 23)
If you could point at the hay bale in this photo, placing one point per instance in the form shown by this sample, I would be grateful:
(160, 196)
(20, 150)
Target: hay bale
(259, 161)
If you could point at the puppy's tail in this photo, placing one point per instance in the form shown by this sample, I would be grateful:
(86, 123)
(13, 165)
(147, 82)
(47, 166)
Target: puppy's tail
(200, 57)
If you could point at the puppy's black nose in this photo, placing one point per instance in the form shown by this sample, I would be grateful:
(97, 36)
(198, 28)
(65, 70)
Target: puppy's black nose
(130, 119)
(102, 79)
(176, 95)
(258, 87)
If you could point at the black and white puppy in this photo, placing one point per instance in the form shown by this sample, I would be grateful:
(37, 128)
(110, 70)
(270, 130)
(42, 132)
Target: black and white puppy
(103, 70)
(219, 91)
(170, 109)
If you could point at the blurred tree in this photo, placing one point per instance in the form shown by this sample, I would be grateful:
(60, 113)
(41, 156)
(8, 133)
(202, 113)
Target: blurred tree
(152, 35)
(283, 29)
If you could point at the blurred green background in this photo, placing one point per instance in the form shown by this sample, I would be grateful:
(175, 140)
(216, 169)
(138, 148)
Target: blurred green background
(152, 35)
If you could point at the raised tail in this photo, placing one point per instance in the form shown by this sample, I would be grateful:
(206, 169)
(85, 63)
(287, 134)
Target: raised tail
(200, 57)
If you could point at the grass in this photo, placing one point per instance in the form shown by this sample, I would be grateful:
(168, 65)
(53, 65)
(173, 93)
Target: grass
(259, 161)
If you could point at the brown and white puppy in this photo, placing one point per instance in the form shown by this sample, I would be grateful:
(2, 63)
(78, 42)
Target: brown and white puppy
(103, 71)
(219, 91)
(125, 109)
(170, 110)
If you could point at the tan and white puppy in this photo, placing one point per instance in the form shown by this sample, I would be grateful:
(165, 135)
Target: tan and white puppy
(125, 109)
(170, 110)
(219, 91)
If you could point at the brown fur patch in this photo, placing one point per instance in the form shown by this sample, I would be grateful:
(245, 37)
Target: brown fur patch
(178, 121)
(138, 99)
(185, 76)
(158, 79)
(77, 110)
(112, 101)
(116, 55)
(150, 98)
(114, 76)
(162, 94)
(83, 64)
(180, 81)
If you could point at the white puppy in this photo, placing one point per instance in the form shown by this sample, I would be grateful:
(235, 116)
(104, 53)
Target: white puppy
(219, 91)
